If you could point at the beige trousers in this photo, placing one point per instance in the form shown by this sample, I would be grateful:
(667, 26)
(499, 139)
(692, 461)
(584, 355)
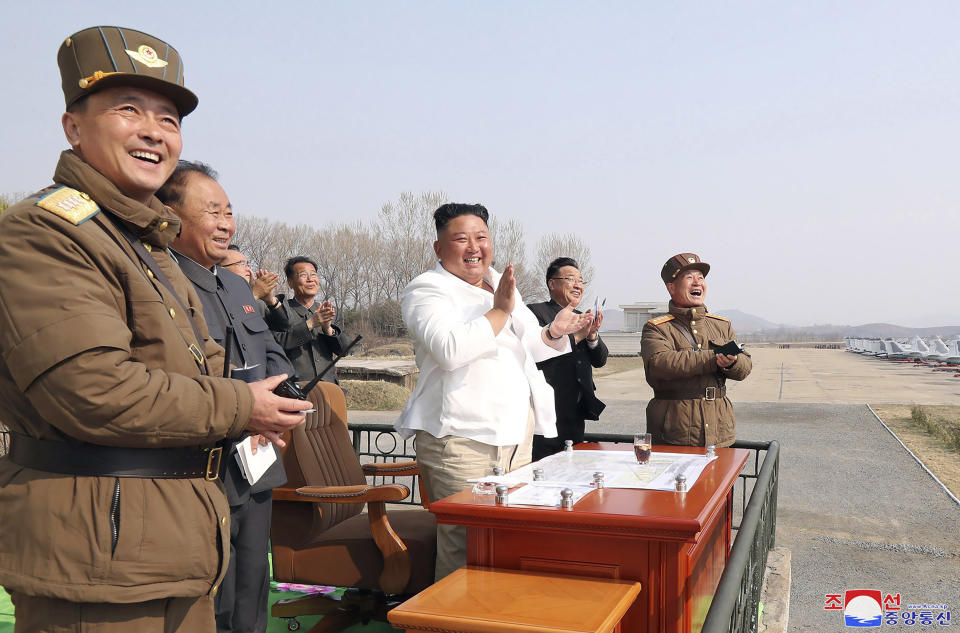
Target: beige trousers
(446, 463)
(35, 614)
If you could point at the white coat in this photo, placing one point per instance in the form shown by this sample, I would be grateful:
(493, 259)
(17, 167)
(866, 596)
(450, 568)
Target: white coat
(472, 383)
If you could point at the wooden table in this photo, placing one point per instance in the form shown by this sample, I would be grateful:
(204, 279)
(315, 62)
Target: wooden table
(675, 544)
(481, 600)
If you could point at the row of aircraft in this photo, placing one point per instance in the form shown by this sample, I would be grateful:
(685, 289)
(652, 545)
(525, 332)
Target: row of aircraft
(934, 349)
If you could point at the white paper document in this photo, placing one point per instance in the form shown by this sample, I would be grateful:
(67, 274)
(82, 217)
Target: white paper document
(538, 494)
(620, 470)
(253, 465)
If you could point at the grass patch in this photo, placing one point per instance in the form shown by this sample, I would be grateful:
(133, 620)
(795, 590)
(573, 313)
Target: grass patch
(940, 422)
(374, 395)
(617, 364)
(932, 433)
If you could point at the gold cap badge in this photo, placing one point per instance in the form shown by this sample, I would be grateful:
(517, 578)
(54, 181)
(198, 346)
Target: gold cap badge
(147, 56)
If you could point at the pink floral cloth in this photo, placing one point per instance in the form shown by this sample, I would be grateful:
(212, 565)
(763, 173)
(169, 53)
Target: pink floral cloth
(298, 588)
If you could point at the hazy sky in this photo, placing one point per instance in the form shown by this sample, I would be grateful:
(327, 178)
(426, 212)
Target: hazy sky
(806, 150)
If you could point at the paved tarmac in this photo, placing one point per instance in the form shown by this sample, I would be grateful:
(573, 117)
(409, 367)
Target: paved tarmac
(855, 509)
(815, 375)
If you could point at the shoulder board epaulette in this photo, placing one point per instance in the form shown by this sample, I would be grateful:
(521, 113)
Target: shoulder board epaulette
(717, 316)
(661, 319)
(73, 206)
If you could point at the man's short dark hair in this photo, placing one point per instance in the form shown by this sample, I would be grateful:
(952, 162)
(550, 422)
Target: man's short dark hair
(299, 259)
(559, 263)
(447, 212)
(79, 106)
(233, 247)
(171, 193)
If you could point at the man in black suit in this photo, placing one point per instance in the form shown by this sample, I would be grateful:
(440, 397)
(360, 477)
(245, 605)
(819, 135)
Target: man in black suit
(570, 375)
(207, 228)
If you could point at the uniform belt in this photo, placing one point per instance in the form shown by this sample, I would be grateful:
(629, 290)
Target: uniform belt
(708, 393)
(94, 460)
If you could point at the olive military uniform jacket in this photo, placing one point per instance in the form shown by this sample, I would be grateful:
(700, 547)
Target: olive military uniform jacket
(676, 366)
(96, 350)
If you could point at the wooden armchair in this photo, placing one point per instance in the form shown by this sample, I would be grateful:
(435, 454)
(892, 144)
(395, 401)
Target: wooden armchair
(319, 536)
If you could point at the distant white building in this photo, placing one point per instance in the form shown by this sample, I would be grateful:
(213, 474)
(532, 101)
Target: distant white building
(635, 315)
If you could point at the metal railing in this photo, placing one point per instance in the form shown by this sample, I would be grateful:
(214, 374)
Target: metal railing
(380, 443)
(735, 606)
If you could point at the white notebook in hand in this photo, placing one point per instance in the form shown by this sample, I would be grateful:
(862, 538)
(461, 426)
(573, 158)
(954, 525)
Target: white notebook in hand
(253, 465)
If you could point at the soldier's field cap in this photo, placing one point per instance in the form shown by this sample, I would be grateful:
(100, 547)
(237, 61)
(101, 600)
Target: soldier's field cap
(106, 56)
(679, 263)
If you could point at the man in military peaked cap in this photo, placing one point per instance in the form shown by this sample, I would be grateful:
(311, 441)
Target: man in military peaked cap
(688, 375)
(113, 515)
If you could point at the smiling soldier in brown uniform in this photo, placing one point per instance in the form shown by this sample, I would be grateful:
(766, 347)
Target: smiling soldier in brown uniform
(113, 517)
(690, 405)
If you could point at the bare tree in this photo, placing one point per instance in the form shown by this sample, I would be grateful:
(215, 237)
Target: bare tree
(406, 234)
(363, 268)
(510, 247)
(257, 238)
(554, 245)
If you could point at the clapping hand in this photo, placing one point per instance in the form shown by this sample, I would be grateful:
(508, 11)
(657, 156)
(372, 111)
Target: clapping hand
(568, 322)
(590, 330)
(503, 296)
(262, 287)
(503, 300)
(323, 318)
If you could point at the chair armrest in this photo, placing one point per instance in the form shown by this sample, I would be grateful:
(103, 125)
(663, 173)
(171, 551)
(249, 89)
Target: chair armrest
(352, 494)
(399, 469)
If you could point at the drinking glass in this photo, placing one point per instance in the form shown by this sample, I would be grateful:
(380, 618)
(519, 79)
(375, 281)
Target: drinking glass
(641, 447)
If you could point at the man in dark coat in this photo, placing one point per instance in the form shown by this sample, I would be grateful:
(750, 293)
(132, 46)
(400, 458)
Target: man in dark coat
(207, 228)
(311, 339)
(570, 375)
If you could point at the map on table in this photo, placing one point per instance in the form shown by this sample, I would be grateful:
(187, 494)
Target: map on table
(620, 469)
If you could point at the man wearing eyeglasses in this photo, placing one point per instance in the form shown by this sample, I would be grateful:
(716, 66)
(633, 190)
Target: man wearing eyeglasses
(570, 375)
(311, 339)
(261, 285)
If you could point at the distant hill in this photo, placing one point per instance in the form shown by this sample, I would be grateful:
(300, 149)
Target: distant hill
(744, 323)
(758, 329)
(838, 332)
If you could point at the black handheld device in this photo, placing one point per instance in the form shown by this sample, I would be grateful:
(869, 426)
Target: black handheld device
(730, 349)
(290, 389)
